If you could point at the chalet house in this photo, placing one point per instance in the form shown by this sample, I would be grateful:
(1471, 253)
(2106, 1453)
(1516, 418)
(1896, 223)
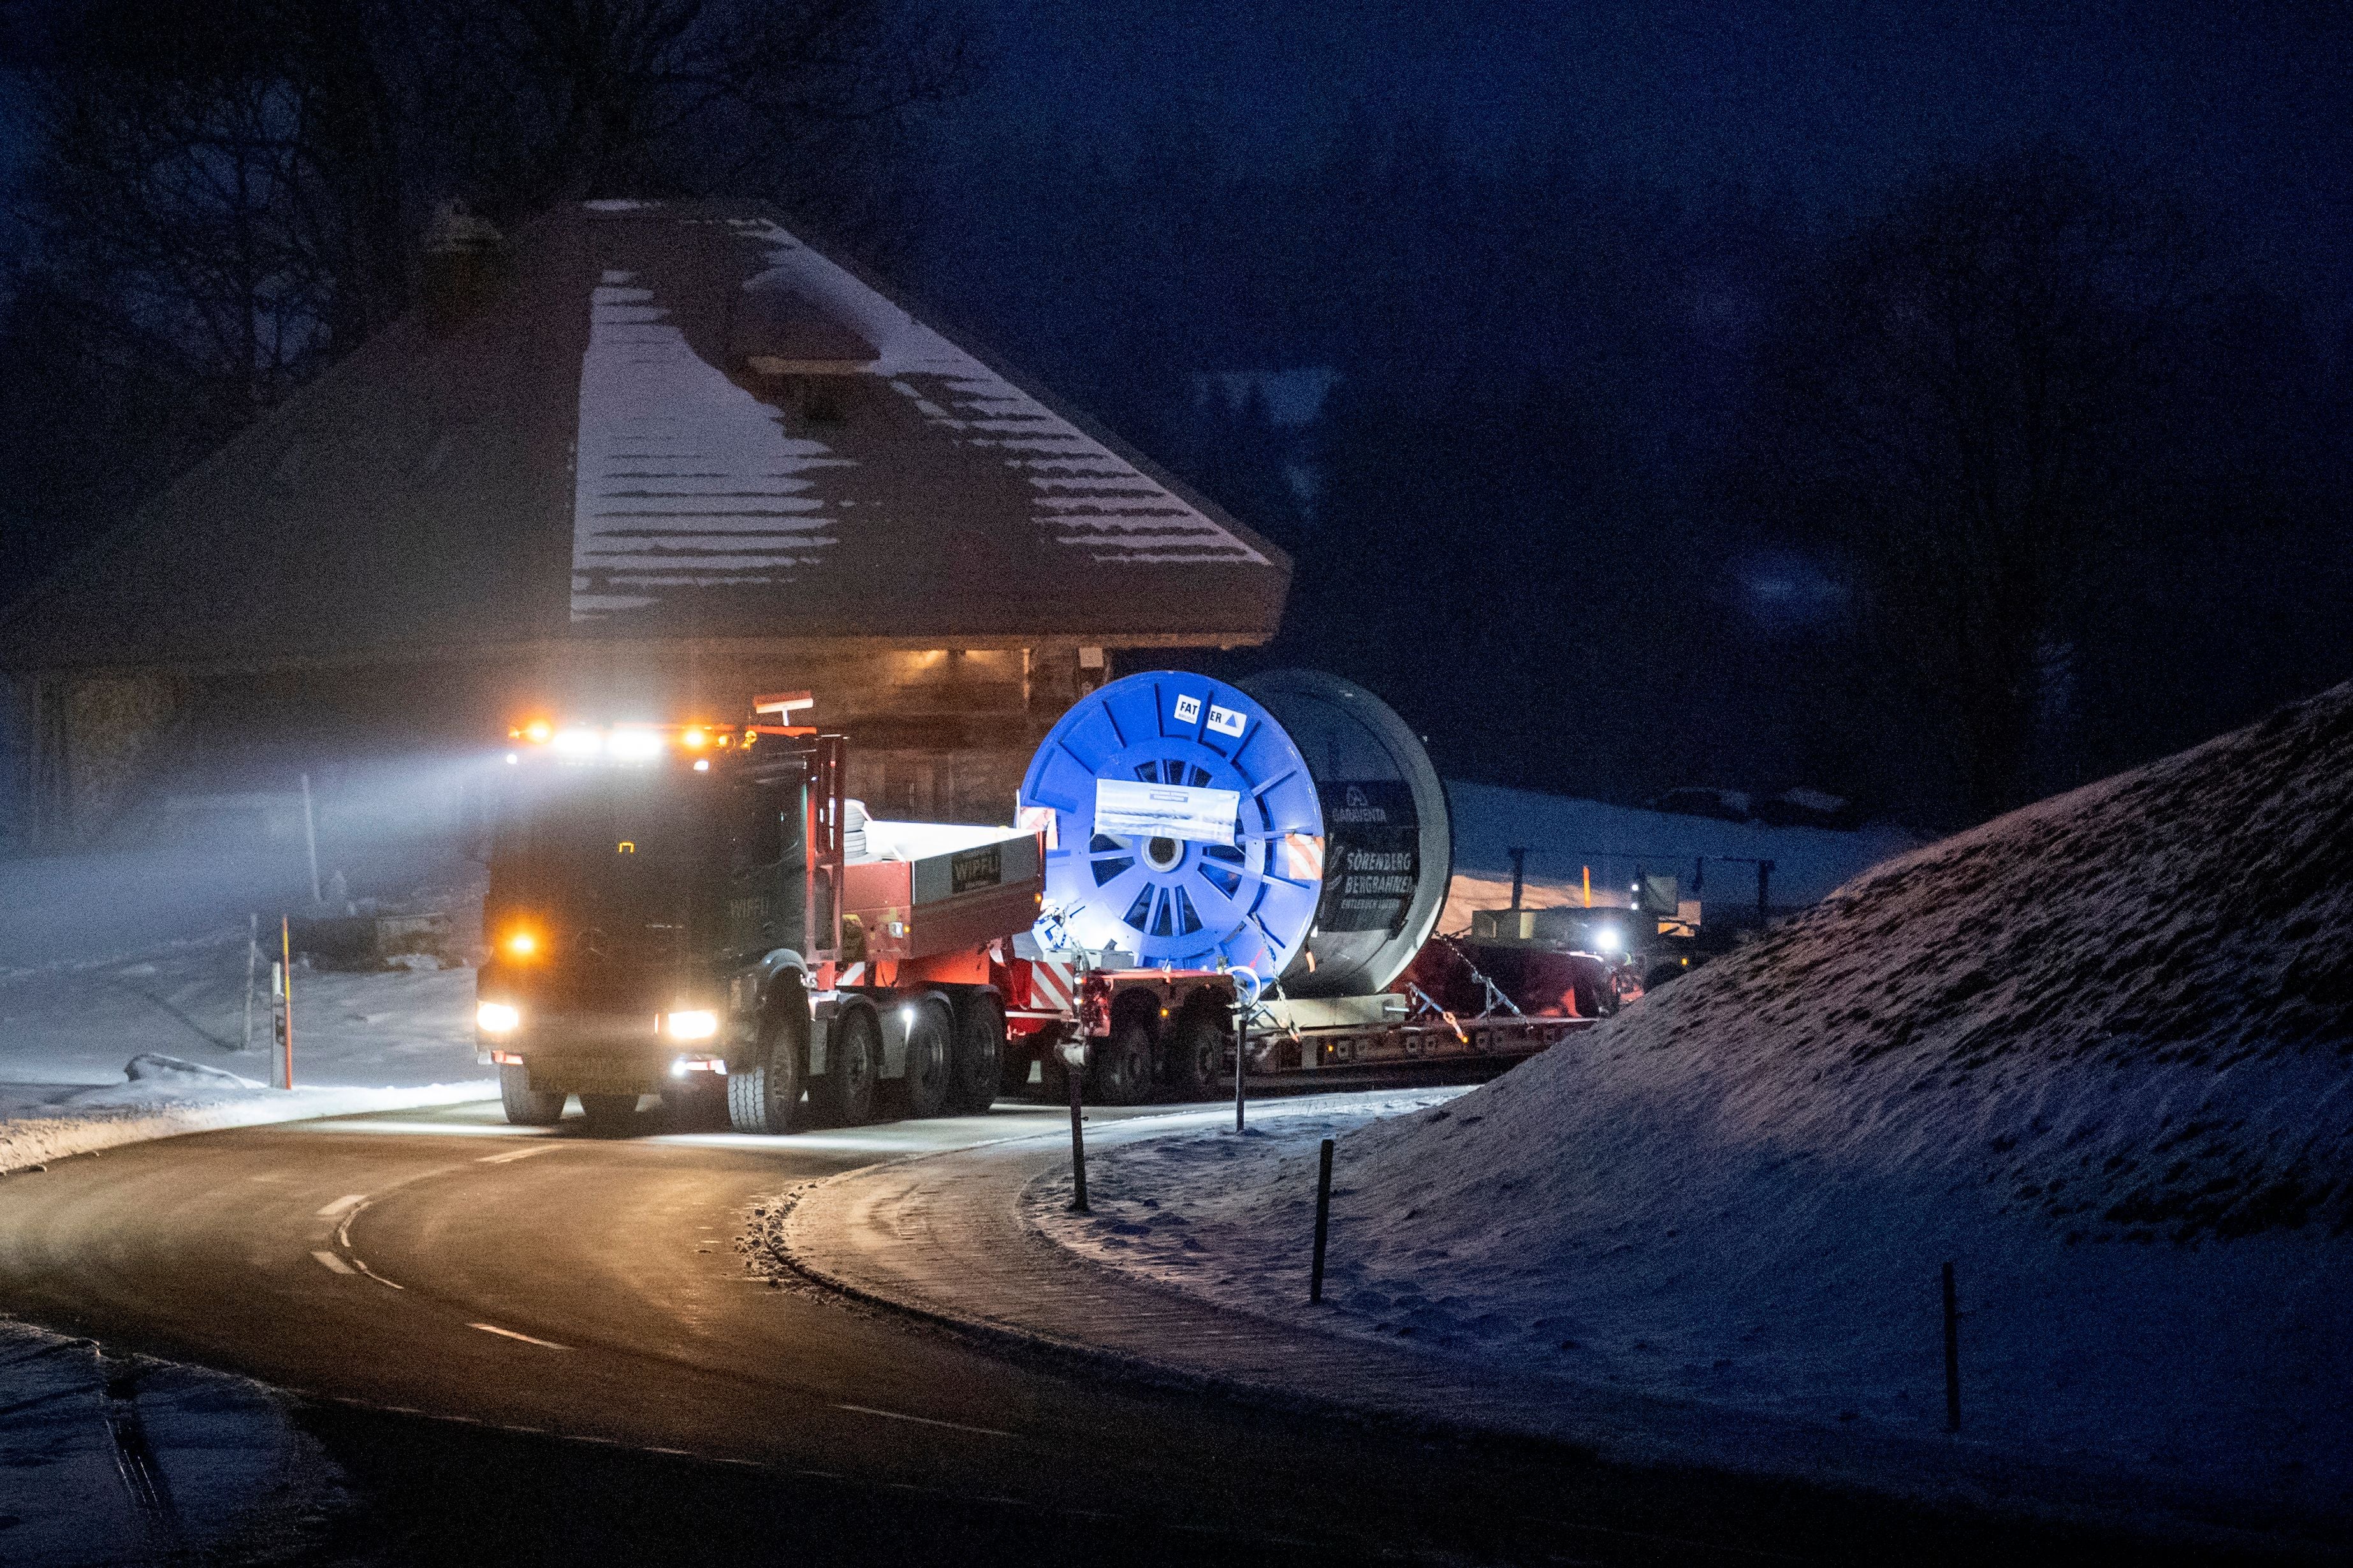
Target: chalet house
(650, 460)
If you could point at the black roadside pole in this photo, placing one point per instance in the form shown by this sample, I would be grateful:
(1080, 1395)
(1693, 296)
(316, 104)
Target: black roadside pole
(1074, 1072)
(1322, 1221)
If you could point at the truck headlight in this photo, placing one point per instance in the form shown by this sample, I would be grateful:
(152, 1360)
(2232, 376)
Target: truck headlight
(498, 1017)
(694, 1026)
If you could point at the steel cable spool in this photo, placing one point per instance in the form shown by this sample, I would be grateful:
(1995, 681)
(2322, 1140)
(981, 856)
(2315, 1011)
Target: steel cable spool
(1184, 887)
(1388, 837)
(1293, 827)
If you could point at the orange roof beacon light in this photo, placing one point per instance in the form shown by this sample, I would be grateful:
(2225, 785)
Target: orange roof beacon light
(539, 731)
(521, 945)
(694, 737)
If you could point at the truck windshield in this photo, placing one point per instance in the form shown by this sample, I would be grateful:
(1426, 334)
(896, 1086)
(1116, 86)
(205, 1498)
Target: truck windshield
(610, 847)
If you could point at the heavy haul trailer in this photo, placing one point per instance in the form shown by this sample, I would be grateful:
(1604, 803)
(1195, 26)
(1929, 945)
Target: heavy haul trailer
(695, 911)
(1289, 828)
(1173, 1031)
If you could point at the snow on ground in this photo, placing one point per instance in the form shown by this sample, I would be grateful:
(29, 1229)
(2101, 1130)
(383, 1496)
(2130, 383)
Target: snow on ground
(235, 1479)
(1563, 835)
(2098, 1054)
(150, 1039)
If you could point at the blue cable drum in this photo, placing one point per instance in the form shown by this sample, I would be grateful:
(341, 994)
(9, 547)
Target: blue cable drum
(1190, 902)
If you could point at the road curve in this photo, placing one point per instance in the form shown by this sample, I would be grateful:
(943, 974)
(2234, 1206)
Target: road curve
(445, 1265)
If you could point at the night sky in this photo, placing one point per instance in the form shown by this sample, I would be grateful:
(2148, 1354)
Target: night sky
(2248, 107)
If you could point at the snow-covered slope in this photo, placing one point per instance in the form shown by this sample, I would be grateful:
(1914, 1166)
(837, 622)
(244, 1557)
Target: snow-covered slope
(2098, 1054)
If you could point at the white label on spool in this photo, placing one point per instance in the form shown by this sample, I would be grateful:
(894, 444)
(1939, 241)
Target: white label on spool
(1138, 810)
(1189, 710)
(1226, 721)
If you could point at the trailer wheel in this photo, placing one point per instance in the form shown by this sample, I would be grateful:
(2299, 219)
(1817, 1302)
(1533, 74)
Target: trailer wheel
(980, 1064)
(1195, 1048)
(609, 1115)
(526, 1105)
(763, 1094)
(931, 1041)
(845, 1095)
(1121, 1070)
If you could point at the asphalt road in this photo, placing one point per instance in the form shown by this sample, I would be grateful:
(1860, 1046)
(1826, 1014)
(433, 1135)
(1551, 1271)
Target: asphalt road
(541, 1346)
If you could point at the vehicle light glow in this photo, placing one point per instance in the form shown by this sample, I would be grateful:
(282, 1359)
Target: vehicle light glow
(1607, 940)
(702, 764)
(498, 1017)
(695, 1025)
(577, 742)
(634, 745)
(538, 731)
(694, 738)
(522, 944)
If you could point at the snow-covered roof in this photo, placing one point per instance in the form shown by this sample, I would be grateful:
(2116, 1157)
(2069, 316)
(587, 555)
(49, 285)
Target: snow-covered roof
(674, 419)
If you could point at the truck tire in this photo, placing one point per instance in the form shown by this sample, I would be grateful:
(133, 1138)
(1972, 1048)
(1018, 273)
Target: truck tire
(1121, 1073)
(931, 1061)
(980, 1064)
(609, 1115)
(1192, 1056)
(763, 1094)
(845, 1095)
(526, 1105)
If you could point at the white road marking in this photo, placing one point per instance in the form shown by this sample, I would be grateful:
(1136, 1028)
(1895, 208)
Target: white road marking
(332, 1263)
(349, 1200)
(922, 1420)
(510, 1334)
(514, 1154)
(379, 1278)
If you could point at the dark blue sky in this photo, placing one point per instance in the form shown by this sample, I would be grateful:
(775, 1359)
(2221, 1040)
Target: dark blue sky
(2249, 107)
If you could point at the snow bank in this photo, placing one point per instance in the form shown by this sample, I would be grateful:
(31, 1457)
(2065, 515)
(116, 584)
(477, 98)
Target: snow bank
(2098, 1054)
(174, 1006)
(161, 1097)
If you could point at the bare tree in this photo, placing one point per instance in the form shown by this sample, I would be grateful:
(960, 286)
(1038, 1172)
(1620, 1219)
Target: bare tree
(230, 195)
(1961, 410)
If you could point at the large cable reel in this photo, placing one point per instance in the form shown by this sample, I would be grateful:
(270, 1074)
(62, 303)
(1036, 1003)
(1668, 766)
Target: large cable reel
(1189, 829)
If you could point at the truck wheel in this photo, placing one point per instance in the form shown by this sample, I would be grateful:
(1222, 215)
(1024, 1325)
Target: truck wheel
(980, 1064)
(1121, 1070)
(526, 1105)
(931, 1042)
(1195, 1048)
(763, 1094)
(610, 1114)
(846, 1092)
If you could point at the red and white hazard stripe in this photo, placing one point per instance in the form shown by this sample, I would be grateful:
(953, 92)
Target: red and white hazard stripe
(1052, 984)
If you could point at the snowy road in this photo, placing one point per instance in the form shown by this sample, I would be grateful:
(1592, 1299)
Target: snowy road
(535, 1283)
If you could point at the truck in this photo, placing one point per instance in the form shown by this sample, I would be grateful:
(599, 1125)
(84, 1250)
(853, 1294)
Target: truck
(696, 911)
